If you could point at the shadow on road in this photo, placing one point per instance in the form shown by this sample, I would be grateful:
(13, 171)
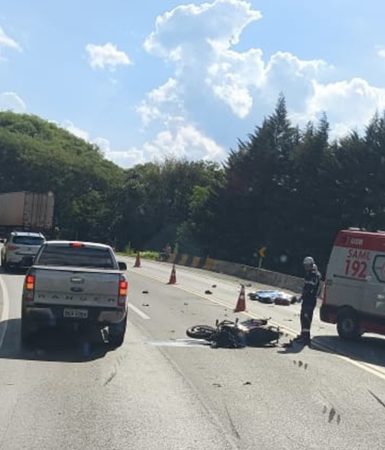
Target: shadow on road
(367, 349)
(56, 345)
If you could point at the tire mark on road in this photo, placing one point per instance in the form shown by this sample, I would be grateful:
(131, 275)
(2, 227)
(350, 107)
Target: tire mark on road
(377, 398)
(232, 425)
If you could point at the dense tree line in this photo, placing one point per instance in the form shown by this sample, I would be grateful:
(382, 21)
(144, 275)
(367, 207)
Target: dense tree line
(286, 188)
(291, 190)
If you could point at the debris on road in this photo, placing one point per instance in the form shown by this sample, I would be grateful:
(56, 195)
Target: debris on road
(214, 286)
(145, 304)
(247, 383)
(208, 292)
(145, 292)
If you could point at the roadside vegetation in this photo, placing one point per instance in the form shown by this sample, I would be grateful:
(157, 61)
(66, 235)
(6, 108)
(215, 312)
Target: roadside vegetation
(286, 188)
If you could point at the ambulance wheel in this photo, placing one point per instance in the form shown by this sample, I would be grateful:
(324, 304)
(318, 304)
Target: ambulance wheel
(348, 324)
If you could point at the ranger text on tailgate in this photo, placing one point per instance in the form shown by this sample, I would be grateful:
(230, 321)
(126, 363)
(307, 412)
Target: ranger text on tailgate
(75, 283)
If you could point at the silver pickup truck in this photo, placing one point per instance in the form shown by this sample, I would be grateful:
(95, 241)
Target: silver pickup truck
(75, 283)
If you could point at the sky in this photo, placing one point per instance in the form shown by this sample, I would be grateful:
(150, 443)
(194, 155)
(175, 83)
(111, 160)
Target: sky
(148, 79)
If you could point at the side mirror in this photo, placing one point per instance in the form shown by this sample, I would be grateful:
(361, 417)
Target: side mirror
(2, 241)
(27, 261)
(122, 266)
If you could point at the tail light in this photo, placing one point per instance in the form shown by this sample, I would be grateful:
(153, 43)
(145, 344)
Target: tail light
(29, 287)
(13, 247)
(76, 244)
(123, 289)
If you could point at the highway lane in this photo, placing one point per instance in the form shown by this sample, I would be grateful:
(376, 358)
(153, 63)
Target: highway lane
(161, 390)
(369, 350)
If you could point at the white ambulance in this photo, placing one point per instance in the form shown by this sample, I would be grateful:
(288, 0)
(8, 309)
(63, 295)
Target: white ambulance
(354, 293)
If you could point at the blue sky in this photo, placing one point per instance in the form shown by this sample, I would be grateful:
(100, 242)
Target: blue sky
(154, 78)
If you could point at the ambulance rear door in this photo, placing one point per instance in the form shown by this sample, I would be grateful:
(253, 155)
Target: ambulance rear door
(347, 271)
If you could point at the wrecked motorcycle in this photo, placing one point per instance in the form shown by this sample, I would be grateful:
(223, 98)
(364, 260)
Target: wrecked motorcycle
(229, 334)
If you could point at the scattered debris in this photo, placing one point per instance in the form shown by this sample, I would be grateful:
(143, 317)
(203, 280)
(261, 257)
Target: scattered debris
(145, 292)
(145, 304)
(332, 413)
(217, 385)
(249, 285)
(214, 286)
(110, 378)
(172, 331)
(185, 304)
(208, 292)
(305, 366)
(247, 383)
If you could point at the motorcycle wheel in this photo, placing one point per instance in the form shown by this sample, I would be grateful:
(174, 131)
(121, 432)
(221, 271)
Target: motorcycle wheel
(201, 332)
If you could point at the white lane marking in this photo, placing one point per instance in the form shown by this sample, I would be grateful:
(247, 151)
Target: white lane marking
(138, 311)
(5, 313)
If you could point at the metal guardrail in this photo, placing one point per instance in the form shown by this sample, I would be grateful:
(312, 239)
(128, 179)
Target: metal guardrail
(240, 270)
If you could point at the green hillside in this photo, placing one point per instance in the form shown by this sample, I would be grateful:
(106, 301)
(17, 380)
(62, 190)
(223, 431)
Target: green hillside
(36, 155)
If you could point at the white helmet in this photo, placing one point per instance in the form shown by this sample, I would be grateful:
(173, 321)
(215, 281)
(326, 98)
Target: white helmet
(308, 261)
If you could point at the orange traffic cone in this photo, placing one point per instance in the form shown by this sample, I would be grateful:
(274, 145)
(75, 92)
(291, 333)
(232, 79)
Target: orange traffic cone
(137, 260)
(173, 275)
(241, 303)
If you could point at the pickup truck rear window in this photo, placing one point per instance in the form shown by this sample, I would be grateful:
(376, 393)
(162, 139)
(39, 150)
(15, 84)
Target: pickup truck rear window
(52, 255)
(28, 240)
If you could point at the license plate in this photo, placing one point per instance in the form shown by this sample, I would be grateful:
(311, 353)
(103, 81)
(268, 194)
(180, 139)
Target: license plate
(75, 313)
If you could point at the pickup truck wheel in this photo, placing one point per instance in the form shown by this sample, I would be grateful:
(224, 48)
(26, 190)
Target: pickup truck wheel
(116, 333)
(348, 324)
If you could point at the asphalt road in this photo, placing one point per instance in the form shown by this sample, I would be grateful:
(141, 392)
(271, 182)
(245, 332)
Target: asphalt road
(161, 390)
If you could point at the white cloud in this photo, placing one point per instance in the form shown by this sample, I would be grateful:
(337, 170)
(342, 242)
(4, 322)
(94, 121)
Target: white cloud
(127, 158)
(221, 21)
(199, 42)
(10, 101)
(163, 103)
(179, 140)
(76, 131)
(6, 41)
(381, 52)
(349, 104)
(198, 38)
(103, 143)
(106, 56)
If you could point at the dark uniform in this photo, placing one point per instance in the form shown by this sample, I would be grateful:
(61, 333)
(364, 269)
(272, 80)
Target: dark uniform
(309, 300)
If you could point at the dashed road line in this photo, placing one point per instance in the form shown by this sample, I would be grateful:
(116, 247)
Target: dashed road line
(139, 312)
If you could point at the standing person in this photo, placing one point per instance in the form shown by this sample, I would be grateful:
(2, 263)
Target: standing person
(309, 298)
